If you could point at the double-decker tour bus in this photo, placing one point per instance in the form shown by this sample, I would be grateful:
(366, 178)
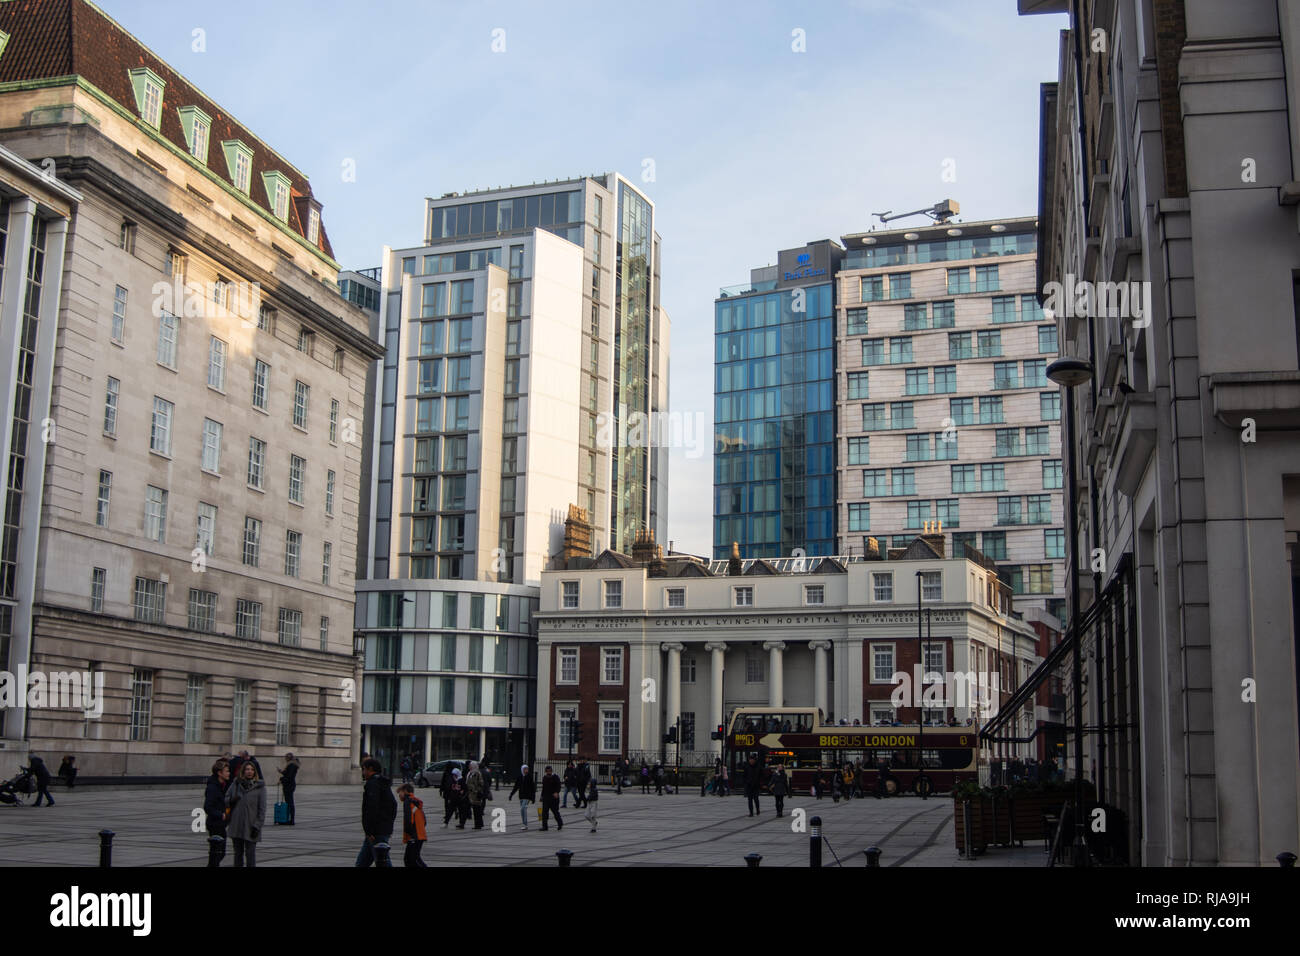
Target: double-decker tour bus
(928, 759)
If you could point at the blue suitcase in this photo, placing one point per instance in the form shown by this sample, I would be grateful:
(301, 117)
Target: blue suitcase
(281, 812)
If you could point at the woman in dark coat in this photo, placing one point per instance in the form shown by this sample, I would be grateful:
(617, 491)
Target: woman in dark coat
(246, 798)
(289, 782)
(68, 770)
(214, 810)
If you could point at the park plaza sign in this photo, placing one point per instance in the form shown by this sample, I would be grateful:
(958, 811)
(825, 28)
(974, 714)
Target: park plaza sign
(684, 622)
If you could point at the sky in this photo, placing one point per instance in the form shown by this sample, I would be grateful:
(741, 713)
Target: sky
(753, 126)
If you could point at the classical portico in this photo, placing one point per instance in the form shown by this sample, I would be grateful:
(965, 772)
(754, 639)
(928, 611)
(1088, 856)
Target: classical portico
(697, 644)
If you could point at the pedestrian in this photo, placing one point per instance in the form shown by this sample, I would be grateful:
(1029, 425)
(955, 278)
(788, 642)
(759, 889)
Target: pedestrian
(475, 792)
(459, 798)
(413, 826)
(590, 801)
(659, 778)
(551, 799)
(817, 784)
(570, 784)
(68, 770)
(717, 777)
(378, 813)
(42, 774)
(780, 786)
(214, 810)
(753, 779)
(444, 791)
(526, 787)
(645, 777)
(405, 767)
(620, 768)
(289, 782)
(726, 780)
(584, 781)
(246, 798)
(489, 781)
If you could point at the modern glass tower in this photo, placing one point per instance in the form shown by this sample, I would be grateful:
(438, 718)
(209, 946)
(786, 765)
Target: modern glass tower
(774, 414)
(525, 353)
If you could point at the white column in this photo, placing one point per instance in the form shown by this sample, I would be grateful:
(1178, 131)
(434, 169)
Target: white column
(673, 685)
(819, 649)
(716, 664)
(428, 742)
(776, 673)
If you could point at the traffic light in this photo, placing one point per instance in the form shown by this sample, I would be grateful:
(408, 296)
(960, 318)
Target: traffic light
(671, 736)
(577, 731)
(718, 734)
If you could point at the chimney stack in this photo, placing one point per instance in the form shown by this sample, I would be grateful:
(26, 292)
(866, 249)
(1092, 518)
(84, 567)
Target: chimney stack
(933, 536)
(734, 566)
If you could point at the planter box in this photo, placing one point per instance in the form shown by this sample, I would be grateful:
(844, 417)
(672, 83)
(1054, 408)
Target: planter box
(979, 809)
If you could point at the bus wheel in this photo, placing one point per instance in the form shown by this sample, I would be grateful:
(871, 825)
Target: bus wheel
(923, 787)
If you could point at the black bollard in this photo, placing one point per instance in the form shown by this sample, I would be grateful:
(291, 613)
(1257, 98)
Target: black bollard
(815, 842)
(564, 856)
(1286, 859)
(753, 859)
(872, 854)
(381, 854)
(106, 847)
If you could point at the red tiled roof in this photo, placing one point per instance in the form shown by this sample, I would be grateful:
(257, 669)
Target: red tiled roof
(54, 38)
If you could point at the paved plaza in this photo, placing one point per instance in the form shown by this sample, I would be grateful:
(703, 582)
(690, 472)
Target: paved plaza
(153, 828)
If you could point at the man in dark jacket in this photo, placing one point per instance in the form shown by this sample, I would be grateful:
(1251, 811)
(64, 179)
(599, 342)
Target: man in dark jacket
(551, 800)
(526, 787)
(289, 782)
(214, 809)
(584, 781)
(571, 785)
(620, 768)
(753, 779)
(378, 812)
(42, 775)
(780, 785)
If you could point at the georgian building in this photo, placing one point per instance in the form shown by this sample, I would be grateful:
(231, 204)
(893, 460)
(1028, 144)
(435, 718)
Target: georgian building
(181, 522)
(627, 645)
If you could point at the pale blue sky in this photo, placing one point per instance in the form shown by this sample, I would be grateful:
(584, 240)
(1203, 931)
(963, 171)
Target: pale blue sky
(756, 147)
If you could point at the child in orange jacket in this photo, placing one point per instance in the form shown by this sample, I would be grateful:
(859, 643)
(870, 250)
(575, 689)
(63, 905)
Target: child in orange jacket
(413, 830)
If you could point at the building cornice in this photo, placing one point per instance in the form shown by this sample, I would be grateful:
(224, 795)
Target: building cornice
(87, 169)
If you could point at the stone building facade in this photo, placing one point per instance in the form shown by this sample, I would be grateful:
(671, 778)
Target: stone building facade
(1169, 197)
(195, 541)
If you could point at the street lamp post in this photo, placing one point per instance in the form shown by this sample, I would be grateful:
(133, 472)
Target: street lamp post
(922, 783)
(1070, 372)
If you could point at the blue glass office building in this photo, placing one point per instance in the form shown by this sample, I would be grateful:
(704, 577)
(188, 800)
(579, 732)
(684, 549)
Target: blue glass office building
(774, 408)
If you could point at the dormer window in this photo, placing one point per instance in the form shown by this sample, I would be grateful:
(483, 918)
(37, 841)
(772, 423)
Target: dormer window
(239, 160)
(313, 226)
(197, 126)
(148, 88)
(277, 193)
